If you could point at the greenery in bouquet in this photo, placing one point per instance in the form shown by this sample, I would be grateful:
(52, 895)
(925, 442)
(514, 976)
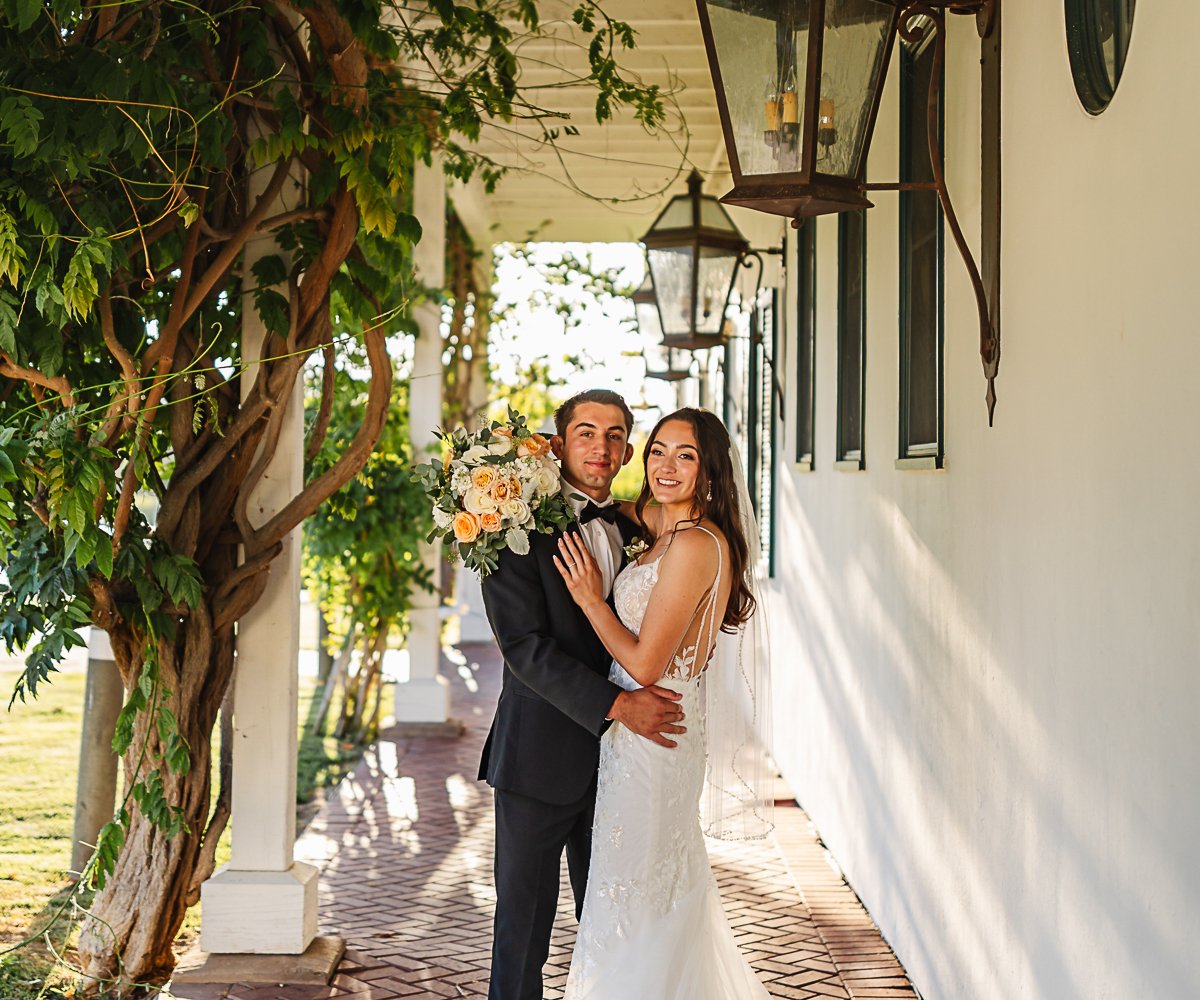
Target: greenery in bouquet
(492, 488)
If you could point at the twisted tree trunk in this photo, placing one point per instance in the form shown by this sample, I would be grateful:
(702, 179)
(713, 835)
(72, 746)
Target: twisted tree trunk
(127, 938)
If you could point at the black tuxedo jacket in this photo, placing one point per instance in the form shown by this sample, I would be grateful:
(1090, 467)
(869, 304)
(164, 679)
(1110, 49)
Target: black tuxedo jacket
(544, 742)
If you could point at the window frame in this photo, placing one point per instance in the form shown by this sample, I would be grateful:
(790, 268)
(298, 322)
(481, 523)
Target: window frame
(923, 454)
(806, 344)
(851, 459)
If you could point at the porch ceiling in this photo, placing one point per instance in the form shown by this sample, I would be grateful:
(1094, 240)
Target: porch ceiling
(608, 182)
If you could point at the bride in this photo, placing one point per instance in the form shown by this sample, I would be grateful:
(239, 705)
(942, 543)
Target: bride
(652, 922)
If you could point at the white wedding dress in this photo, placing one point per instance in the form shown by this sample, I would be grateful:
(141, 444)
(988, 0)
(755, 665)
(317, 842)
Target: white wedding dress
(652, 923)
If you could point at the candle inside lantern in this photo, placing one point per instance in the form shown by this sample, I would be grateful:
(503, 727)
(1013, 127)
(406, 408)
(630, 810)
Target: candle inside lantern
(771, 106)
(791, 106)
(826, 127)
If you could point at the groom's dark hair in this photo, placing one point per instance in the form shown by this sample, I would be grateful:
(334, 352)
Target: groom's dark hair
(605, 397)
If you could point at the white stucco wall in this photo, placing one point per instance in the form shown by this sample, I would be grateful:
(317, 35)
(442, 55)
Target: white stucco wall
(988, 678)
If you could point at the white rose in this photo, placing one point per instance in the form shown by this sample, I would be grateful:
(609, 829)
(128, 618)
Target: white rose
(474, 454)
(501, 446)
(478, 502)
(443, 519)
(516, 510)
(547, 480)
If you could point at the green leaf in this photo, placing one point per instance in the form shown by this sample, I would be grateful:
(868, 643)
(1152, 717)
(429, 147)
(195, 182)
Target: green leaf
(85, 550)
(80, 287)
(8, 323)
(104, 555)
(12, 256)
(27, 12)
(19, 120)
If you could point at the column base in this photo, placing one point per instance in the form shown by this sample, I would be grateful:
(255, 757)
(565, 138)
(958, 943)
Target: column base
(316, 967)
(422, 699)
(259, 913)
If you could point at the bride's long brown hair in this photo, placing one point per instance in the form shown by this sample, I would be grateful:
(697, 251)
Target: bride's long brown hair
(716, 481)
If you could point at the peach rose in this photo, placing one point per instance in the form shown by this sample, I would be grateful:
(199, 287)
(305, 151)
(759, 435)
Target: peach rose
(535, 445)
(466, 527)
(483, 477)
(490, 521)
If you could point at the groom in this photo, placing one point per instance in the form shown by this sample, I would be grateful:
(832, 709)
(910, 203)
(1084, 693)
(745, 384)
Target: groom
(543, 751)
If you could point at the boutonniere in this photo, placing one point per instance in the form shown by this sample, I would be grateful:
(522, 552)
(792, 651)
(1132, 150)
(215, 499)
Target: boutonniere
(635, 548)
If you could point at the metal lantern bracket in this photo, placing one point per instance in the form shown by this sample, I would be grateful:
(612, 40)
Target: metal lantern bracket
(747, 259)
(791, 180)
(987, 18)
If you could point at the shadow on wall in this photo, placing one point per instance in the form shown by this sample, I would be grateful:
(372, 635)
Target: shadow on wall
(949, 776)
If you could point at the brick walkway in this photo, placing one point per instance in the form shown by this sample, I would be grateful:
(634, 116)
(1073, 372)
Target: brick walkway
(405, 845)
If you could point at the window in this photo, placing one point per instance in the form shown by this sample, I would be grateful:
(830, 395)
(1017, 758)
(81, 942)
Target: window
(806, 326)
(852, 328)
(921, 270)
(1098, 42)
(751, 412)
(764, 416)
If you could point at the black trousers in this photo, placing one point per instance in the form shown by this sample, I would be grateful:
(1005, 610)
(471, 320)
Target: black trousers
(530, 838)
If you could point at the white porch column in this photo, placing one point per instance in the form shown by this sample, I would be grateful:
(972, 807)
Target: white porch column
(468, 596)
(425, 696)
(263, 902)
(96, 786)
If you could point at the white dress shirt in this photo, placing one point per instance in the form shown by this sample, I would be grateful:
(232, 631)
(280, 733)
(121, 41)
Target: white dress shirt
(603, 540)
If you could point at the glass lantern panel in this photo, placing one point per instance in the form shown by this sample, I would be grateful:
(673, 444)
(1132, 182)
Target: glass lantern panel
(716, 274)
(762, 52)
(857, 33)
(649, 325)
(677, 214)
(672, 270)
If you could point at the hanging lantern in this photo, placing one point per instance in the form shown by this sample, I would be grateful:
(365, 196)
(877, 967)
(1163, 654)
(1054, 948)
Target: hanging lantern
(662, 362)
(692, 253)
(798, 85)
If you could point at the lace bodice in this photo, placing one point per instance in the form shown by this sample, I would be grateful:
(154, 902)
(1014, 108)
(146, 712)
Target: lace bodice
(631, 595)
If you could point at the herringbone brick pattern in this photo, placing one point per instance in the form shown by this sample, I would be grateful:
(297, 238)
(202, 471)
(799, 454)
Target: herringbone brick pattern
(405, 847)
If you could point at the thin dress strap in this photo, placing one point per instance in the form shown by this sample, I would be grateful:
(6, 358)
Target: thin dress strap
(683, 662)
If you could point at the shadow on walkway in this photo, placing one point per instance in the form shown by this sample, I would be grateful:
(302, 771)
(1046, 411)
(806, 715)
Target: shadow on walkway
(405, 848)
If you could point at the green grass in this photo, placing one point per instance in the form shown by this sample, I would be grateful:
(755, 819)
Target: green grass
(39, 761)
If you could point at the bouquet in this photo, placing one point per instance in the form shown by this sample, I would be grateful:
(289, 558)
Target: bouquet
(492, 489)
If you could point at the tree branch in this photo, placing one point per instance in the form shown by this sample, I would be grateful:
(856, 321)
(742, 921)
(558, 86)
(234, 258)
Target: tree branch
(240, 589)
(280, 394)
(187, 480)
(55, 383)
(350, 462)
(229, 253)
(126, 398)
(321, 424)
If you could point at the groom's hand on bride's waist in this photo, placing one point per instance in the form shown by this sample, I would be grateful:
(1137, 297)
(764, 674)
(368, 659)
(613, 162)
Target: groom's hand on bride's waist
(651, 712)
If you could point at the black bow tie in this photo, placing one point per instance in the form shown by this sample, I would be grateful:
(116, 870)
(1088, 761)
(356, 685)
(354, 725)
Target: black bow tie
(591, 511)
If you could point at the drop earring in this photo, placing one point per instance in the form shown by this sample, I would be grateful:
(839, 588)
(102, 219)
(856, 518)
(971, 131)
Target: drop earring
(708, 495)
